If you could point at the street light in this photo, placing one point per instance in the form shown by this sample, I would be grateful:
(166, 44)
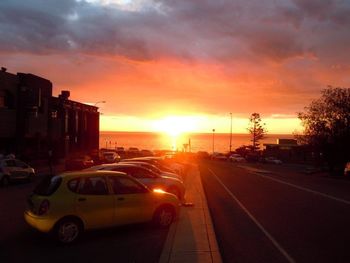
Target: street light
(213, 140)
(102, 101)
(231, 133)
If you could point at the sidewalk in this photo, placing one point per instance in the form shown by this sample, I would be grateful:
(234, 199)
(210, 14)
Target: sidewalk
(192, 237)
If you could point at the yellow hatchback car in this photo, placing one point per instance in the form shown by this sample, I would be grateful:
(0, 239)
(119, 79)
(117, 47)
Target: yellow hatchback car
(69, 203)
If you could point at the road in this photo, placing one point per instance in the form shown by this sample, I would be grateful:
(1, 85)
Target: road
(277, 214)
(20, 243)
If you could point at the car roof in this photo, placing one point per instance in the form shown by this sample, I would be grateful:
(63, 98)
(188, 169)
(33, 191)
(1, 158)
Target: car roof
(74, 174)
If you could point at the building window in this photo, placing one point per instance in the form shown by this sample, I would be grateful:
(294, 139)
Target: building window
(2, 99)
(7, 100)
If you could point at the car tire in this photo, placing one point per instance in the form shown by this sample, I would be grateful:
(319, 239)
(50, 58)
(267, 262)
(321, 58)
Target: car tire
(175, 191)
(68, 230)
(164, 216)
(5, 181)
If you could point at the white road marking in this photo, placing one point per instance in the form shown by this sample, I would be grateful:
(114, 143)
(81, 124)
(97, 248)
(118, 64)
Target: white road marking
(303, 188)
(267, 234)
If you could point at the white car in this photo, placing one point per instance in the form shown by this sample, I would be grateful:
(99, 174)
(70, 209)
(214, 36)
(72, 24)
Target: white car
(111, 157)
(236, 158)
(12, 170)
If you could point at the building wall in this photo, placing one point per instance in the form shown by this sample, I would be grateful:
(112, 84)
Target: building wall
(8, 93)
(35, 122)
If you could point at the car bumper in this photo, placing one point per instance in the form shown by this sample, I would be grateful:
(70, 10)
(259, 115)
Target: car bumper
(43, 224)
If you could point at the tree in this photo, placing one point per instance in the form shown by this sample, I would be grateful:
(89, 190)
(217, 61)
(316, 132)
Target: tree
(326, 124)
(256, 129)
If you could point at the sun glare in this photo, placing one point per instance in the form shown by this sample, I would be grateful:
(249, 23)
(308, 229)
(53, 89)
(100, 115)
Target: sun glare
(176, 125)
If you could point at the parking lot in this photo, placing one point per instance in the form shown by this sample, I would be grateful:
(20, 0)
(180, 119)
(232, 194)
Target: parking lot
(19, 242)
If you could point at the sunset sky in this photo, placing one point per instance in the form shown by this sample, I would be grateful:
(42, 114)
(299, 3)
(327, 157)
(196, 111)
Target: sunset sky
(182, 65)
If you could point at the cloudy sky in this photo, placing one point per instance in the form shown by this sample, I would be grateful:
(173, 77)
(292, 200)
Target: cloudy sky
(194, 60)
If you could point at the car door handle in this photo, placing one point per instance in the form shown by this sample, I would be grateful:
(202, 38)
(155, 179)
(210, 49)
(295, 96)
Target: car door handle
(121, 199)
(81, 199)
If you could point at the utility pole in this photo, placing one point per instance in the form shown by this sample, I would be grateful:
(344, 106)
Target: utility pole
(231, 133)
(213, 140)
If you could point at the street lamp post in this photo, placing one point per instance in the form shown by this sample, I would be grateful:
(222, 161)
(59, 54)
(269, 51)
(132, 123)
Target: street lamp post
(213, 140)
(102, 101)
(231, 133)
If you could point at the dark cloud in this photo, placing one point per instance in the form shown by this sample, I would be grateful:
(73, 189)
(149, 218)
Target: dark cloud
(181, 29)
(282, 52)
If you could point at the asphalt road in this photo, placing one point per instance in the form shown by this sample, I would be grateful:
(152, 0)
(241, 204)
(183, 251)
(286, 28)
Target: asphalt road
(20, 243)
(277, 214)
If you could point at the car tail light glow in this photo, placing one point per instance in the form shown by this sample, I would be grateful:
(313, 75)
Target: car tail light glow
(44, 207)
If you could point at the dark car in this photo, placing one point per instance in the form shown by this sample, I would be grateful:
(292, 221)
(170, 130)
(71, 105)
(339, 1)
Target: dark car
(79, 162)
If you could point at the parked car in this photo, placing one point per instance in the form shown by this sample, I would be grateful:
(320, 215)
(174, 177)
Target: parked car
(347, 169)
(120, 151)
(203, 155)
(146, 153)
(133, 151)
(167, 164)
(69, 203)
(147, 177)
(236, 158)
(14, 170)
(272, 160)
(111, 157)
(219, 157)
(78, 162)
(152, 160)
(155, 169)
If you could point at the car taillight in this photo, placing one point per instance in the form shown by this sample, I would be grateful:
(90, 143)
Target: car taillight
(44, 207)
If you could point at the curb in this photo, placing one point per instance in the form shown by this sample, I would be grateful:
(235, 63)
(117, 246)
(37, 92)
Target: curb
(193, 222)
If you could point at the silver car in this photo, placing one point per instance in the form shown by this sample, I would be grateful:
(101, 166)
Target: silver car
(147, 177)
(12, 170)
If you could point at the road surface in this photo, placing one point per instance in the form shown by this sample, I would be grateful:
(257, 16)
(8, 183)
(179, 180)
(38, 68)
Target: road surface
(275, 214)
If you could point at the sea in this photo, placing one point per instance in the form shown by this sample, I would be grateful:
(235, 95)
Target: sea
(194, 142)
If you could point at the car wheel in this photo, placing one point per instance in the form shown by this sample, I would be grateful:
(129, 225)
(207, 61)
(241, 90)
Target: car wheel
(164, 216)
(68, 230)
(174, 191)
(5, 181)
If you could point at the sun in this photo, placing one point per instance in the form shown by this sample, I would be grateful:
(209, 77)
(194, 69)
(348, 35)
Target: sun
(176, 125)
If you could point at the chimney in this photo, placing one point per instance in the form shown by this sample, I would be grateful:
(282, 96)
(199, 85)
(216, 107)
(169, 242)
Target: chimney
(64, 94)
(3, 69)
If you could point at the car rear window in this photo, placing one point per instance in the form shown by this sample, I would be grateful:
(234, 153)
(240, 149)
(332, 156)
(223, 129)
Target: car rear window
(48, 185)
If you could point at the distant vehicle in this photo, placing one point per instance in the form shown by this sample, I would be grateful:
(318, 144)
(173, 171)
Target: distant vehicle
(120, 151)
(67, 204)
(219, 156)
(78, 162)
(272, 160)
(347, 169)
(146, 153)
(236, 158)
(203, 155)
(147, 177)
(111, 157)
(12, 170)
(133, 150)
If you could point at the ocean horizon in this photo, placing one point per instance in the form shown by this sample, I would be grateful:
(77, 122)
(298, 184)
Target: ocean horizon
(197, 141)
